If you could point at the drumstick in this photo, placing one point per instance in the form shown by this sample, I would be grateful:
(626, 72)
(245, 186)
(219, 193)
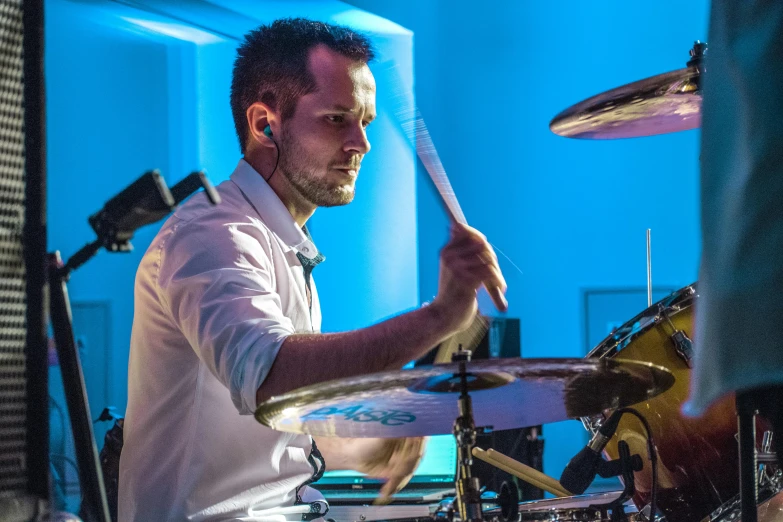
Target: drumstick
(522, 471)
(432, 164)
(418, 135)
(467, 339)
(416, 129)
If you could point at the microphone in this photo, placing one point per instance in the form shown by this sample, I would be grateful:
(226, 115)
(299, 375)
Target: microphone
(582, 469)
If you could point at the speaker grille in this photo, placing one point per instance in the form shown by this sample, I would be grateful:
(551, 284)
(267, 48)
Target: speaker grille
(13, 395)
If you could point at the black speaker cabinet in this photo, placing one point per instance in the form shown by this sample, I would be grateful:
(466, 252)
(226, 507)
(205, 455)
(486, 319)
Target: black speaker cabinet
(525, 445)
(24, 406)
(501, 340)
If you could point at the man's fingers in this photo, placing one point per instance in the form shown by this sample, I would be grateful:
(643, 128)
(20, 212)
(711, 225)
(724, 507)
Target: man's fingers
(489, 256)
(463, 249)
(496, 294)
(414, 451)
(404, 460)
(456, 258)
(475, 273)
(462, 236)
(392, 486)
(406, 456)
(477, 255)
(461, 230)
(480, 250)
(422, 445)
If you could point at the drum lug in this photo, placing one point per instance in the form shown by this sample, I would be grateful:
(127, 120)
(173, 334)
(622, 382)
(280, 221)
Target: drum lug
(684, 346)
(682, 343)
(764, 457)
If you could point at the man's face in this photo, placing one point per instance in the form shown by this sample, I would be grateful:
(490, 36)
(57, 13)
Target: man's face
(323, 143)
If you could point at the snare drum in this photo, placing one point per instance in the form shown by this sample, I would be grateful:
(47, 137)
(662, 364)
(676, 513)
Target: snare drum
(581, 508)
(698, 467)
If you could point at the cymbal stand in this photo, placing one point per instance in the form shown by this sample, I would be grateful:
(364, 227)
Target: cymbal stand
(624, 466)
(467, 486)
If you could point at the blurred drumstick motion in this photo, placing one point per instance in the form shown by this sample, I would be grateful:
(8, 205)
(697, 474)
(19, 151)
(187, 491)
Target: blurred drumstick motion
(467, 339)
(522, 471)
(416, 129)
(418, 135)
(417, 132)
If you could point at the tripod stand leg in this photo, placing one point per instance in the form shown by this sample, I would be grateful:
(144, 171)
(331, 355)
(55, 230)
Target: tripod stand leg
(746, 417)
(95, 505)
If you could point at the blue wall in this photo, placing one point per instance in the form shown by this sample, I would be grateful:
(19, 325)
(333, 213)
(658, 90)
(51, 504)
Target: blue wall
(571, 214)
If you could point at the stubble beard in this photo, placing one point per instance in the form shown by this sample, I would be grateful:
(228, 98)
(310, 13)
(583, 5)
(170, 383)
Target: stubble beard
(301, 171)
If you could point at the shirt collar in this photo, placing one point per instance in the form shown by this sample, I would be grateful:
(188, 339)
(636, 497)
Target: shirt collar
(271, 210)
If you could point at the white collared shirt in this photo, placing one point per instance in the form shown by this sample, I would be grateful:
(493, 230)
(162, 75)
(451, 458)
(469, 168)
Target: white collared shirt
(217, 293)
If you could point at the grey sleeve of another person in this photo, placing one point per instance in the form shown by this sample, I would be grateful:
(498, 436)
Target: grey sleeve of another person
(739, 319)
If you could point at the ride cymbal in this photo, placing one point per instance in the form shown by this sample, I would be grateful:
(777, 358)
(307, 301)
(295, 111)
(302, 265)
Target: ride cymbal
(506, 393)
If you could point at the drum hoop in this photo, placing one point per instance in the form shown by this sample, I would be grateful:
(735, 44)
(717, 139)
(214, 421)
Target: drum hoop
(564, 514)
(725, 511)
(588, 501)
(551, 509)
(586, 513)
(675, 302)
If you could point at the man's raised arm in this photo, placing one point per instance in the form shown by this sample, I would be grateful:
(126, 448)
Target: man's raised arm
(467, 263)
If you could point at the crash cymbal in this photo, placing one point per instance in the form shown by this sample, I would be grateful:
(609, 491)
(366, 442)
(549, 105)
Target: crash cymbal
(668, 102)
(506, 393)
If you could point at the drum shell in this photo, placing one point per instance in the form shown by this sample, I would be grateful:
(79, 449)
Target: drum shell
(698, 458)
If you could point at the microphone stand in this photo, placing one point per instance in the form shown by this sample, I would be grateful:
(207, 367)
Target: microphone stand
(625, 467)
(145, 201)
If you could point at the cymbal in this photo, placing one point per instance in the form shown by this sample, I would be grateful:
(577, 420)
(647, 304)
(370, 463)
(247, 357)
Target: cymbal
(668, 102)
(506, 393)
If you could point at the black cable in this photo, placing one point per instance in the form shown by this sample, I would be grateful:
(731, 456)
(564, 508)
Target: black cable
(653, 456)
(64, 426)
(64, 483)
(277, 161)
(60, 412)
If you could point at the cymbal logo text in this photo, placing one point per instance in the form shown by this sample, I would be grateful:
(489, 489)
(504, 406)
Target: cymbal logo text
(361, 414)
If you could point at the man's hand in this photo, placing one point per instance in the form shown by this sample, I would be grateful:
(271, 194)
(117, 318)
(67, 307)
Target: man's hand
(393, 460)
(467, 262)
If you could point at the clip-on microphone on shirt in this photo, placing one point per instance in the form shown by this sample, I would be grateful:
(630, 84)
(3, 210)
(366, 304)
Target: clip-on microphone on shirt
(145, 201)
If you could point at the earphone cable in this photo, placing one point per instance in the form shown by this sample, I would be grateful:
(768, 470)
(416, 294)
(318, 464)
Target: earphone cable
(277, 161)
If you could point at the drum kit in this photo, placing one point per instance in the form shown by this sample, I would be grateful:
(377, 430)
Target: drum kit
(674, 468)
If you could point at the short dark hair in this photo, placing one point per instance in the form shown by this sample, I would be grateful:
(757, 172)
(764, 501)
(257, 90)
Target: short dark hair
(271, 65)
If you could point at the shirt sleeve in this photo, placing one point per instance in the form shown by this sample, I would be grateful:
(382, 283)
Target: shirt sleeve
(218, 284)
